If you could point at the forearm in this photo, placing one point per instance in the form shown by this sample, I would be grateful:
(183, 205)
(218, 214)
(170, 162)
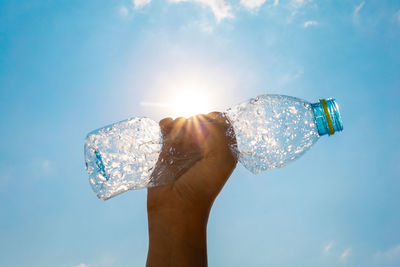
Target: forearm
(177, 239)
(178, 212)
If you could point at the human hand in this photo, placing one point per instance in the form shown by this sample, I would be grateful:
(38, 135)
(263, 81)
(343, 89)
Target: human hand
(196, 162)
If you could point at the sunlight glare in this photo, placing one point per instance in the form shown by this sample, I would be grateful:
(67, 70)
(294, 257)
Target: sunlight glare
(190, 102)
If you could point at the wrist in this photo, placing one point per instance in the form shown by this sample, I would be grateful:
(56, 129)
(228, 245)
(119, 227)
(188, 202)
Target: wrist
(179, 222)
(177, 210)
(178, 237)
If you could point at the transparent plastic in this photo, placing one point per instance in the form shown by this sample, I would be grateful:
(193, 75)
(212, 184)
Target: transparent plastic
(122, 156)
(270, 130)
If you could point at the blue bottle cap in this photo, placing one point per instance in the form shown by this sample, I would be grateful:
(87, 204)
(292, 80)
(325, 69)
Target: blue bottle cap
(327, 116)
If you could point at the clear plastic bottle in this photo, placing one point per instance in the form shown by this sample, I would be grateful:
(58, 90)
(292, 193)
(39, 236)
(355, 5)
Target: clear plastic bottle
(270, 130)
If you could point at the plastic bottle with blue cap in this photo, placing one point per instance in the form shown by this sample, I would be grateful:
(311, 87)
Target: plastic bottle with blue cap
(270, 130)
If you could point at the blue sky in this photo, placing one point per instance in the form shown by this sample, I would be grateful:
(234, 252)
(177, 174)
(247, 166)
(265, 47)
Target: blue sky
(68, 67)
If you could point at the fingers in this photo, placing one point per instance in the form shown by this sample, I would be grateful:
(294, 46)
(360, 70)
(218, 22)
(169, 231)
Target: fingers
(164, 125)
(177, 128)
(178, 122)
(172, 129)
(214, 115)
(194, 129)
(219, 118)
(164, 122)
(169, 124)
(222, 120)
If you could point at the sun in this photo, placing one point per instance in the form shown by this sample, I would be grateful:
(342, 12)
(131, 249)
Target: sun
(188, 103)
(181, 102)
(187, 90)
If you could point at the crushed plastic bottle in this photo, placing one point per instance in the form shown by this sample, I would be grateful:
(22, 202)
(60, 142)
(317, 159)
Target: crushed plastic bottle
(273, 130)
(122, 156)
(270, 130)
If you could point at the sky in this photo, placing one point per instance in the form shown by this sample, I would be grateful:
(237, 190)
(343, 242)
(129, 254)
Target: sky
(69, 67)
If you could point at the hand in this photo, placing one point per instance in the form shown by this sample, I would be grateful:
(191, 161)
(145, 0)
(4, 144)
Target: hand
(195, 161)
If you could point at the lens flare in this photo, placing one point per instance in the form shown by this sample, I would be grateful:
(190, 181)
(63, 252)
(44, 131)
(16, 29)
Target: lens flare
(190, 103)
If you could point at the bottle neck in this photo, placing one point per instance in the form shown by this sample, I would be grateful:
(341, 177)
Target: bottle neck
(327, 116)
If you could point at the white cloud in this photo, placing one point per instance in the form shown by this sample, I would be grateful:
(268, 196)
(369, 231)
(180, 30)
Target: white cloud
(310, 23)
(328, 247)
(398, 16)
(40, 167)
(123, 11)
(140, 3)
(46, 165)
(358, 8)
(300, 3)
(299, 73)
(252, 4)
(220, 8)
(107, 260)
(295, 6)
(388, 255)
(4, 178)
(203, 25)
(276, 2)
(81, 265)
(290, 77)
(345, 254)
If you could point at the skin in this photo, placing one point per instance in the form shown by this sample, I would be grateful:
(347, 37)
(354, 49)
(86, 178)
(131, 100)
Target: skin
(178, 211)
